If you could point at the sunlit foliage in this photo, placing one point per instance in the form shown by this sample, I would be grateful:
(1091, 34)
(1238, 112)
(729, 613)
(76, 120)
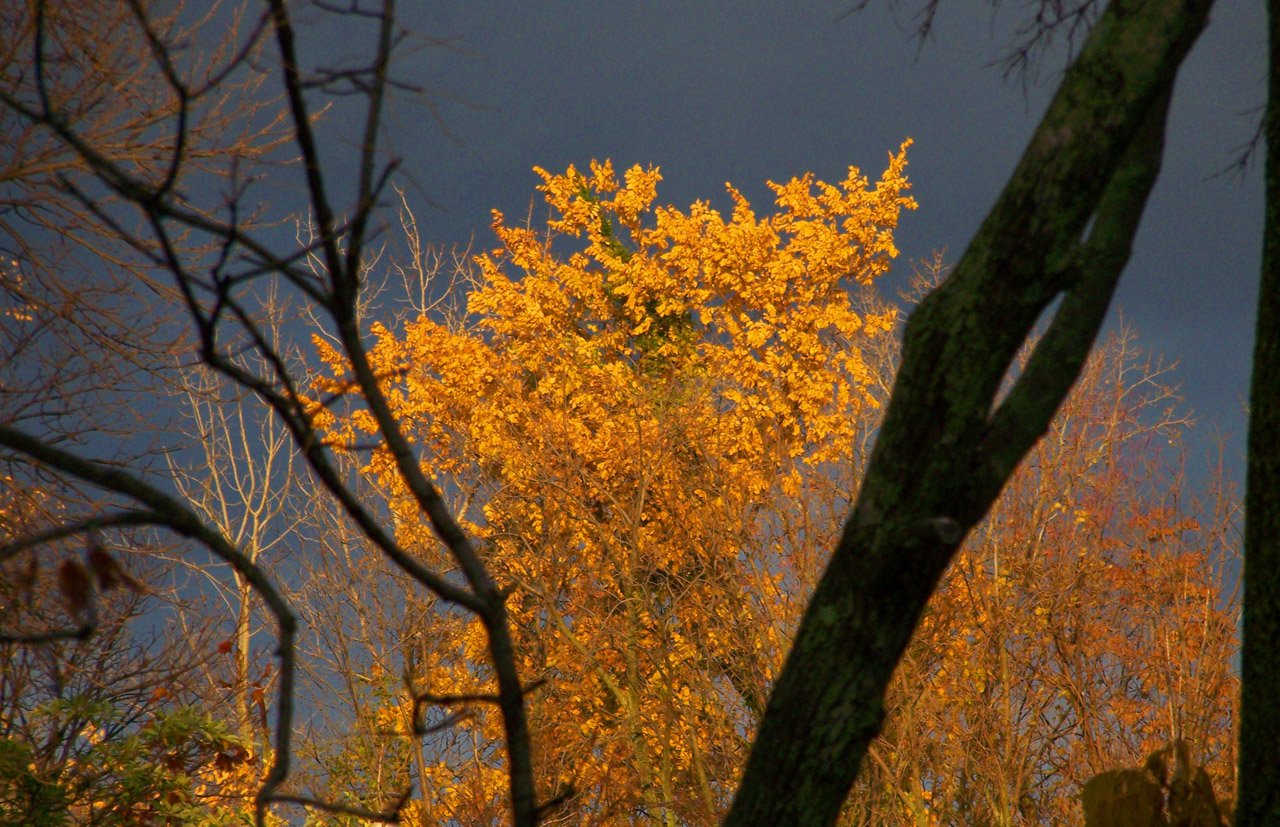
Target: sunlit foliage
(647, 414)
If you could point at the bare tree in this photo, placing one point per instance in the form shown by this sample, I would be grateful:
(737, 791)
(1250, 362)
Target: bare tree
(86, 318)
(242, 481)
(217, 260)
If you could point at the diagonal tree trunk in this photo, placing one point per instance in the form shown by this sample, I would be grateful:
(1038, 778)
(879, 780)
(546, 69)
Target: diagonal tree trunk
(949, 442)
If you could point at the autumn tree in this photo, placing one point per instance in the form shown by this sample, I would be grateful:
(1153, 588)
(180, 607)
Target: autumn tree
(650, 433)
(242, 479)
(72, 282)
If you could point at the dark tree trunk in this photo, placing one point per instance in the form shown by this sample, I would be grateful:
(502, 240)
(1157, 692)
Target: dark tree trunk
(1258, 801)
(947, 447)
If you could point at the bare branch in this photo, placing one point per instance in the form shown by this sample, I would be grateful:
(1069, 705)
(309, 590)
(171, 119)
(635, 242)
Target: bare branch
(88, 524)
(389, 816)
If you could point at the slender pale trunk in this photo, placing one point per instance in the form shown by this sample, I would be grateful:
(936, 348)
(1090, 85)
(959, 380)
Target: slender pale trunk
(241, 679)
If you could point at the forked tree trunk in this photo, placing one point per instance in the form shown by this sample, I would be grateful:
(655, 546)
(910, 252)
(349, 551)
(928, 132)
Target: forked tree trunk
(946, 448)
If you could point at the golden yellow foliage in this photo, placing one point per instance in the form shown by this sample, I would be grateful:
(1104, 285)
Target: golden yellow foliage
(640, 416)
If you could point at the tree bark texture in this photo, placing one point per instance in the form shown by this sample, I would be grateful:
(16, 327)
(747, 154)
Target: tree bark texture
(950, 440)
(1258, 798)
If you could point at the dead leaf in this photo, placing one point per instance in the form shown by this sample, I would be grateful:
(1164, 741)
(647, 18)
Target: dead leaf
(76, 588)
(102, 565)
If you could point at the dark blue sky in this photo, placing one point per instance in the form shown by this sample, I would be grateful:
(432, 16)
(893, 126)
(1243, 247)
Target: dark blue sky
(750, 91)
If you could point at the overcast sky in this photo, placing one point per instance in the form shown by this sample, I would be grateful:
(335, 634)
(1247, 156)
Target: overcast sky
(754, 91)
